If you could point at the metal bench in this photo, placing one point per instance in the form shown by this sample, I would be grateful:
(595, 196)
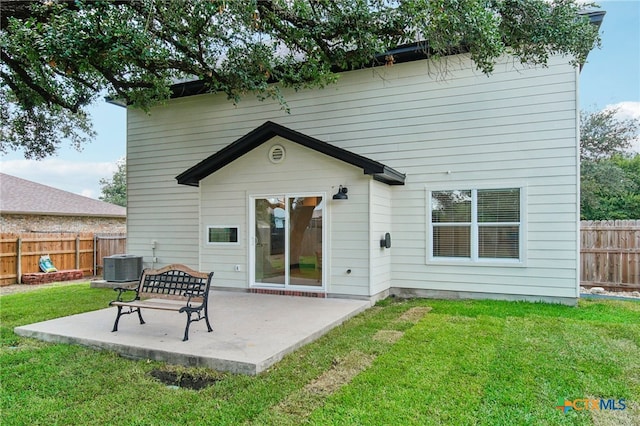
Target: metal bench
(162, 289)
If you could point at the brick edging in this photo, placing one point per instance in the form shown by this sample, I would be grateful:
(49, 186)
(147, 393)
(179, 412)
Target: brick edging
(49, 277)
(288, 292)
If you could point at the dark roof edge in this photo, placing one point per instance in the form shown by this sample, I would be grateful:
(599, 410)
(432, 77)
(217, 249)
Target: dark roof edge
(404, 53)
(116, 102)
(390, 176)
(595, 16)
(268, 130)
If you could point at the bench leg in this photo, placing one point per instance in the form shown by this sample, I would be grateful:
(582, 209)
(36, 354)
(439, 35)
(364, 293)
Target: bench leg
(206, 320)
(115, 324)
(140, 316)
(189, 311)
(120, 313)
(186, 330)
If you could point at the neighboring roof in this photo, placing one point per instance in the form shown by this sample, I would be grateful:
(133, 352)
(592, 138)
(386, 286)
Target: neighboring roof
(268, 130)
(20, 196)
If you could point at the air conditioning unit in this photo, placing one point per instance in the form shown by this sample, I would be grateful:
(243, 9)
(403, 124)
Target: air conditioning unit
(122, 267)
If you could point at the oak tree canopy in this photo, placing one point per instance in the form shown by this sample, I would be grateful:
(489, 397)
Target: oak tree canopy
(58, 57)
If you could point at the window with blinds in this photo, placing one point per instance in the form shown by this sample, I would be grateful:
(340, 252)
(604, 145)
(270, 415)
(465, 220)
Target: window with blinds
(475, 224)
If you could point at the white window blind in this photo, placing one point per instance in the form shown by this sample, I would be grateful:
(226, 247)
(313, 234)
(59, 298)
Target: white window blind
(451, 218)
(499, 223)
(475, 224)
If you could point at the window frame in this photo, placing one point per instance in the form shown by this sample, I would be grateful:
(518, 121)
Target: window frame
(474, 259)
(222, 243)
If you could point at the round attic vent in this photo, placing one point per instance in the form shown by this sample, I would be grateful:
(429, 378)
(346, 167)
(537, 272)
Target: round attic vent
(276, 154)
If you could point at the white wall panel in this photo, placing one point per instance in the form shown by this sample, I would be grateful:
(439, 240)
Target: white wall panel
(515, 127)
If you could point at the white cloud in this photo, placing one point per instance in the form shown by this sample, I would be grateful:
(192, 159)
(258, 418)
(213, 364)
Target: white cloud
(626, 110)
(78, 177)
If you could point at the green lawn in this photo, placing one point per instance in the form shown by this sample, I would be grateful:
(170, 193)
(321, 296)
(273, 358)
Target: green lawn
(462, 363)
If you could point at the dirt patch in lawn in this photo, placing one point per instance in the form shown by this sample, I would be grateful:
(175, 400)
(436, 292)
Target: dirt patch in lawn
(415, 314)
(341, 373)
(300, 404)
(388, 336)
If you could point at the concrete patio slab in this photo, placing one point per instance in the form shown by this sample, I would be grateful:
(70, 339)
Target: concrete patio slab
(251, 332)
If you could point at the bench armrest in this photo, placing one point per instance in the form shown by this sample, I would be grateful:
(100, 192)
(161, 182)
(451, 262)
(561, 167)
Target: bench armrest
(190, 294)
(123, 290)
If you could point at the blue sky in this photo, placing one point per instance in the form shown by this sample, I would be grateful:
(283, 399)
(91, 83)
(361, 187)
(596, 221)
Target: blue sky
(611, 77)
(612, 73)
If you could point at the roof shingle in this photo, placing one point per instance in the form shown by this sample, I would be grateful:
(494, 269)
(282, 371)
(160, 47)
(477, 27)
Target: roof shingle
(20, 196)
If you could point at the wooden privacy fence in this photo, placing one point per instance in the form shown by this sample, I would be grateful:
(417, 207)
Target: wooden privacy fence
(20, 253)
(107, 245)
(610, 254)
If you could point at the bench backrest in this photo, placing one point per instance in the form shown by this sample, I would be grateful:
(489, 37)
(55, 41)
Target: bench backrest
(173, 281)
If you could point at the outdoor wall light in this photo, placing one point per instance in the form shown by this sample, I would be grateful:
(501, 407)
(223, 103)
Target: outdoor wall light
(341, 194)
(385, 242)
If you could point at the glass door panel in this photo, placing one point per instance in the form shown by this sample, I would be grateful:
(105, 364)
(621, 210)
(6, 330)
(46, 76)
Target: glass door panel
(270, 227)
(305, 241)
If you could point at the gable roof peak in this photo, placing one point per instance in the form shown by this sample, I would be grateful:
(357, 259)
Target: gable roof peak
(268, 130)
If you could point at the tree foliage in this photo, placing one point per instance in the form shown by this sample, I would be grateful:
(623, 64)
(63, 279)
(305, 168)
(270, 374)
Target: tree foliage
(58, 56)
(114, 190)
(609, 175)
(603, 135)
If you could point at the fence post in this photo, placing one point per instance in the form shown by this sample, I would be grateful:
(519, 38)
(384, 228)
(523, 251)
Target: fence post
(95, 248)
(19, 261)
(77, 251)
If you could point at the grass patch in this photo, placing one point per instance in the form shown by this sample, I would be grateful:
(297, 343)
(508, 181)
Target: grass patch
(465, 362)
(48, 303)
(499, 363)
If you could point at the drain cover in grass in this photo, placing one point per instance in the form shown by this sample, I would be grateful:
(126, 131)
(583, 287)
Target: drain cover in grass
(183, 380)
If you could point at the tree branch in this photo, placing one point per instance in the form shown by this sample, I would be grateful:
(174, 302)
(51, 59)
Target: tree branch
(26, 79)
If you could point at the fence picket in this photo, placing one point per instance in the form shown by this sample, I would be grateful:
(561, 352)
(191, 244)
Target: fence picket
(20, 253)
(610, 254)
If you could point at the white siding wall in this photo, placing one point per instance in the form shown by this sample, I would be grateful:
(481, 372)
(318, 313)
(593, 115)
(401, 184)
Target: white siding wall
(225, 196)
(516, 126)
(160, 210)
(381, 222)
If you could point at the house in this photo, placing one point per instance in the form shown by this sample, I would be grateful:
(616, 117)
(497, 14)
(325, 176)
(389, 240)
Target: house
(408, 180)
(27, 206)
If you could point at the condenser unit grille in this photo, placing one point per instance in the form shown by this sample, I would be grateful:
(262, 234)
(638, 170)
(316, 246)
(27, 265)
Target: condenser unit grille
(122, 267)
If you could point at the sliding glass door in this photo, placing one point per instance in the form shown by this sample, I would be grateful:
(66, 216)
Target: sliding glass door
(287, 235)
